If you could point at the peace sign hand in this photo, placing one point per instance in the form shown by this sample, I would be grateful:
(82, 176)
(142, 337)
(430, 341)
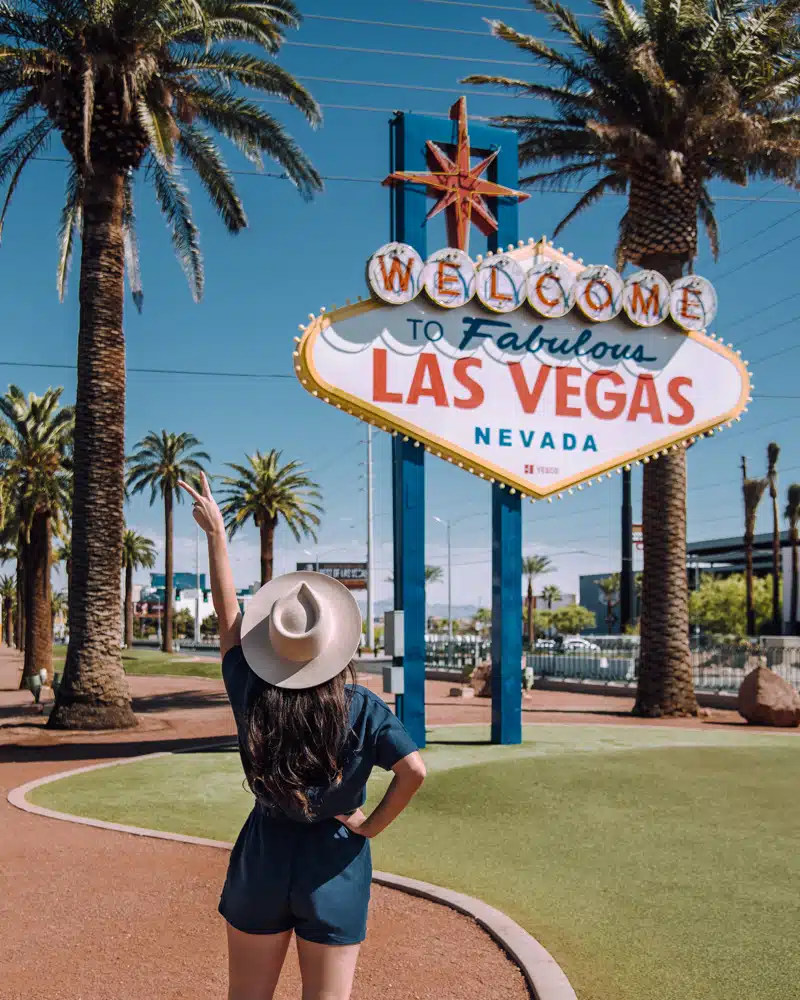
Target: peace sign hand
(204, 507)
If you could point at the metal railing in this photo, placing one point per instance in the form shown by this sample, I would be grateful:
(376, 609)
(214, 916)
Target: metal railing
(716, 667)
(460, 656)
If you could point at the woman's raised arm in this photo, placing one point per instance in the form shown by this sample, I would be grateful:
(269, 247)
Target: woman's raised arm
(223, 592)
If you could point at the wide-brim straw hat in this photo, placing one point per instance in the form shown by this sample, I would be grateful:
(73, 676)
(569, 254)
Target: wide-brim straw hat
(301, 630)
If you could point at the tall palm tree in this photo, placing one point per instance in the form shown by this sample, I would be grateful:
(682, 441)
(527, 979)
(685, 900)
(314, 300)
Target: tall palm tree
(160, 463)
(658, 102)
(8, 594)
(773, 453)
(550, 594)
(792, 515)
(533, 566)
(753, 491)
(266, 492)
(609, 588)
(39, 435)
(138, 552)
(434, 574)
(126, 85)
(58, 605)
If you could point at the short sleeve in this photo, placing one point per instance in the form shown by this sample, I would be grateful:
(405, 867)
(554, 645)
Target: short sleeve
(236, 675)
(391, 741)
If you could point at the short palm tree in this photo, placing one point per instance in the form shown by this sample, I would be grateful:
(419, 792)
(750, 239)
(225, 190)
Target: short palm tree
(434, 574)
(266, 492)
(656, 103)
(609, 588)
(38, 433)
(773, 453)
(752, 491)
(8, 595)
(130, 87)
(792, 515)
(550, 594)
(138, 552)
(533, 566)
(159, 463)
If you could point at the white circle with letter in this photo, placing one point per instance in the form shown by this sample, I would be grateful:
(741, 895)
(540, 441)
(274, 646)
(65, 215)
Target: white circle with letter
(693, 304)
(449, 278)
(646, 298)
(500, 283)
(551, 288)
(395, 273)
(598, 293)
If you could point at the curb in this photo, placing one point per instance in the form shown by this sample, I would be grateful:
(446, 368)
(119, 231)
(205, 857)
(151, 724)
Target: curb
(543, 974)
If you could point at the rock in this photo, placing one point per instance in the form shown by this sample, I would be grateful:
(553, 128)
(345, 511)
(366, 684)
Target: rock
(768, 700)
(462, 692)
(481, 680)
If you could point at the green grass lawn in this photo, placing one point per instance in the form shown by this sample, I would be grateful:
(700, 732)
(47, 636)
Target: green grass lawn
(654, 864)
(152, 662)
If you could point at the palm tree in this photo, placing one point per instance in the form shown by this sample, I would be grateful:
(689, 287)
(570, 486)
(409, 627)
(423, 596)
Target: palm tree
(138, 552)
(63, 554)
(659, 102)
(609, 588)
(160, 462)
(753, 491)
(266, 492)
(792, 515)
(59, 604)
(550, 594)
(434, 574)
(533, 566)
(8, 594)
(773, 453)
(129, 85)
(39, 436)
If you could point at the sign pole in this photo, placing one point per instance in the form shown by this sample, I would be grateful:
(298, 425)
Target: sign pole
(506, 617)
(409, 209)
(370, 549)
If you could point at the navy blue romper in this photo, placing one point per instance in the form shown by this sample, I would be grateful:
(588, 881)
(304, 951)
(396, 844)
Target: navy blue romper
(313, 876)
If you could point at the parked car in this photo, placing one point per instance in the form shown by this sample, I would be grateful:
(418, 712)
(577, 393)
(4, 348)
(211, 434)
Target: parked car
(577, 644)
(545, 644)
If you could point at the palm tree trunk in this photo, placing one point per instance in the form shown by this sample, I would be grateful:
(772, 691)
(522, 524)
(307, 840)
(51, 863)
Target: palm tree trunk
(777, 611)
(748, 580)
(19, 632)
(795, 573)
(529, 611)
(169, 574)
(38, 610)
(129, 606)
(94, 692)
(8, 627)
(665, 684)
(267, 533)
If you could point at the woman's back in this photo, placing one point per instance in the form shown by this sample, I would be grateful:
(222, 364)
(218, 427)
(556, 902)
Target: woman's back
(375, 737)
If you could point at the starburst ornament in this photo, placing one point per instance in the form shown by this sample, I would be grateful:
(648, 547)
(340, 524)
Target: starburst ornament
(461, 189)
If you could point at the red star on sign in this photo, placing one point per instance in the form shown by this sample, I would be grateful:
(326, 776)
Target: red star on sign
(460, 187)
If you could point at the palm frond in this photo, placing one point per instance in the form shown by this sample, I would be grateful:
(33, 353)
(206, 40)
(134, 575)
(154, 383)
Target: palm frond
(705, 212)
(611, 182)
(131, 244)
(174, 201)
(69, 226)
(202, 152)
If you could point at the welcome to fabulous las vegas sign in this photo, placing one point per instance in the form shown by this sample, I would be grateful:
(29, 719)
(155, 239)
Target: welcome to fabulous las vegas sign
(526, 367)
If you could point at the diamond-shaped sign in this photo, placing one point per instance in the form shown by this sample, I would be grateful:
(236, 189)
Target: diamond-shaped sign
(539, 402)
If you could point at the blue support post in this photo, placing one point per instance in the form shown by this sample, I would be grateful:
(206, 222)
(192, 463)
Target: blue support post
(506, 616)
(409, 207)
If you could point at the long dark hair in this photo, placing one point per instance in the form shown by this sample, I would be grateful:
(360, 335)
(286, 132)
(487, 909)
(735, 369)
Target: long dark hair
(296, 740)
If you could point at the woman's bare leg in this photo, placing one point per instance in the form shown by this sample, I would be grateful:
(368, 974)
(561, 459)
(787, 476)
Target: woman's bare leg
(254, 963)
(327, 969)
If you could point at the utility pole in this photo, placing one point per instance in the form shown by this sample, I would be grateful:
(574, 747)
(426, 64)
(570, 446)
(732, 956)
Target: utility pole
(370, 548)
(449, 597)
(197, 585)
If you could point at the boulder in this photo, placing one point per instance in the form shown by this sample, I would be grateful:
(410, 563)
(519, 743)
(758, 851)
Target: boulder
(768, 700)
(481, 680)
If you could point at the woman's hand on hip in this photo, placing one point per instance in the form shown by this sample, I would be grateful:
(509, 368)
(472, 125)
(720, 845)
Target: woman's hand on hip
(356, 822)
(204, 507)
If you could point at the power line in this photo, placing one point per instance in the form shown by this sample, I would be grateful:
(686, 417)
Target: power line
(772, 329)
(489, 6)
(758, 256)
(766, 229)
(411, 86)
(416, 27)
(409, 55)
(730, 215)
(759, 312)
(152, 371)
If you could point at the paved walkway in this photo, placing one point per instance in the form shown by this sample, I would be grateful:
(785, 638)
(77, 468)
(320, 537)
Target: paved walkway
(87, 914)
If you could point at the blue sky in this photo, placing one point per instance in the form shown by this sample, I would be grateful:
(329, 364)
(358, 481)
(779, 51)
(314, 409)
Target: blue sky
(297, 257)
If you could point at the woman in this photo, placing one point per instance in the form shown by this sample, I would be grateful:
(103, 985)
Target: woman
(308, 742)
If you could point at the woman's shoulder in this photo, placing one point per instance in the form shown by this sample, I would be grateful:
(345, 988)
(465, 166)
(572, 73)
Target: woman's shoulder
(365, 702)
